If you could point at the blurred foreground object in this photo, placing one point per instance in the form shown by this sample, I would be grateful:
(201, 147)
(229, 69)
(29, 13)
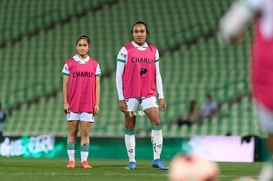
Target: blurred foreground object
(193, 168)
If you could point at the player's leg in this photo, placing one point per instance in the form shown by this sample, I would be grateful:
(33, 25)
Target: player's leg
(130, 141)
(85, 125)
(270, 142)
(130, 120)
(150, 108)
(156, 137)
(71, 142)
(266, 120)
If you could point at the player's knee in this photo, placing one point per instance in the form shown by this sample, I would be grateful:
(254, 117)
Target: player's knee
(73, 132)
(156, 122)
(84, 134)
(130, 115)
(130, 127)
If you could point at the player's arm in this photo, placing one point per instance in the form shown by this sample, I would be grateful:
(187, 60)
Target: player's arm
(97, 101)
(233, 25)
(65, 91)
(121, 61)
(65, 73)
(159, 86)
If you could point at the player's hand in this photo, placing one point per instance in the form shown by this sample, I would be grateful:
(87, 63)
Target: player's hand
(96, 110)
(122, 106)
(163, 105)
(66, 108)
(238, 38)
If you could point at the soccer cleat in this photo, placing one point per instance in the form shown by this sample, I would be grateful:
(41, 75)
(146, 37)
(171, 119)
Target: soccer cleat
(159, 164)
(71, 164)
(131, 166)
(85, 164)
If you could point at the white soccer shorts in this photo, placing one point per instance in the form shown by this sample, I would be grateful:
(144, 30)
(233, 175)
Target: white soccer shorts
(144, 102)
(84, 116)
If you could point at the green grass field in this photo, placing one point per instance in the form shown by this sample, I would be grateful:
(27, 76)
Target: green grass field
(28, 169)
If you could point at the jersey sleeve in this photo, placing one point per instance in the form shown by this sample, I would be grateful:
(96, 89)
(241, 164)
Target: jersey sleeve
(119, 73)
(98, 71)
(122, 55)
(121, 60)
(231, 26)
(156, 56)
(159, 86)
(65, 70)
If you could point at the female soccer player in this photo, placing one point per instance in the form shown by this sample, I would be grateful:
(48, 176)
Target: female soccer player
(231, 29)
(137, 74)
(81, 95)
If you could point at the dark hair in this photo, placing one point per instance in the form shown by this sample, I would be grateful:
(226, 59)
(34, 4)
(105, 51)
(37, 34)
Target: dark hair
(146, 27)
(140, 22)
(85, 37)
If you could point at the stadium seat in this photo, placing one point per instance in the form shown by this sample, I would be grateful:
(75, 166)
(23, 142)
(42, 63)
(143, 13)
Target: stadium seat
(191, 64)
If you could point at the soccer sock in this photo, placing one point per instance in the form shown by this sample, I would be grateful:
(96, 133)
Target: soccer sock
(84, 152)
(130, 143)
(157, 140)
(71, 150)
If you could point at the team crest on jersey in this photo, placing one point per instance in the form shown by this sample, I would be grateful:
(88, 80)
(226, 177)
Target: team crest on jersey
(123, 54)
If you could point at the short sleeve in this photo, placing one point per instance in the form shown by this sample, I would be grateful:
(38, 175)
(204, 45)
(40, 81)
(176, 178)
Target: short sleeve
(65, 70)
(98, 71)
(157, 56)
(122, 55)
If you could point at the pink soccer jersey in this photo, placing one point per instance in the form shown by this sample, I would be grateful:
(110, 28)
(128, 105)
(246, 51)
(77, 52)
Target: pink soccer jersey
(262, 66)
(82, 85)
(139, 75)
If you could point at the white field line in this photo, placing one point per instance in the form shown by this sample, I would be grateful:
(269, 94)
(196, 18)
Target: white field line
(89, 174)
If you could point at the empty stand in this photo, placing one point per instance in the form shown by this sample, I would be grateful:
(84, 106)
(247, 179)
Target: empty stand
(38, 36)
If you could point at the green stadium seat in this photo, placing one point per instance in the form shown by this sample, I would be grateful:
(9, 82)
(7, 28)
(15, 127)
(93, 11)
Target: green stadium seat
(188, 73)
